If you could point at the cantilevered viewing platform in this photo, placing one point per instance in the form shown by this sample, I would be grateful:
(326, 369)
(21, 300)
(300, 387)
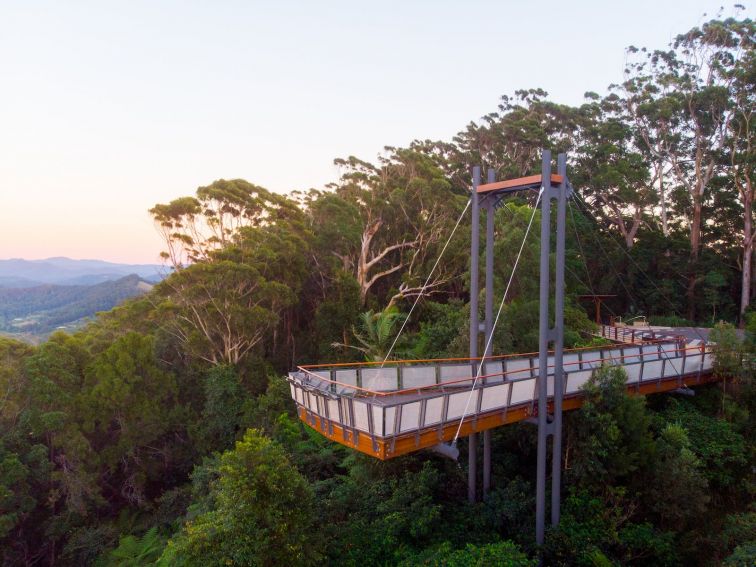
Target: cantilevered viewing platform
(393, 408)
(402, 407)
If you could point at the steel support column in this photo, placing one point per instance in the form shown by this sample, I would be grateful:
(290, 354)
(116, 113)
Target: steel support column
(472, 448)
(556, 458)
(543, 346)
(489, 321)
(547, 334)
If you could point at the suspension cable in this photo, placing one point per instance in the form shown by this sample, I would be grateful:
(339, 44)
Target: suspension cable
(422, 289)
(588, 286)
(585, 262)
(582, 252)
(496, 319)
(584, 209)
(583, 205)
(608, 260)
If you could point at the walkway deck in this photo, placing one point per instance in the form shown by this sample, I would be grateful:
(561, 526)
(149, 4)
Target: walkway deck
(406, 406)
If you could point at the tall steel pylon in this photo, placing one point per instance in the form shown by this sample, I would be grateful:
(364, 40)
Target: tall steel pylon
(553, 188)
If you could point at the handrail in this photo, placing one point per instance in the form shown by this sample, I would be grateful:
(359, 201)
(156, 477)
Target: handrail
(461, 359)
(700, 348)
(620, 333)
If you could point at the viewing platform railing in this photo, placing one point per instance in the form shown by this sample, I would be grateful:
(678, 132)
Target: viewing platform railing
(421, 403)
(636, 335)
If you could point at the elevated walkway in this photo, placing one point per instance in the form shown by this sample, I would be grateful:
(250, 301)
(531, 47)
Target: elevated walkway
(406, 406)
(626, 334)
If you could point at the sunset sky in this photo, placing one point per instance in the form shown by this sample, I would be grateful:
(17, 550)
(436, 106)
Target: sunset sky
(107, 108)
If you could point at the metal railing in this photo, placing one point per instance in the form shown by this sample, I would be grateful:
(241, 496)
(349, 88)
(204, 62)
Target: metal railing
(386, 413)
(636, 335)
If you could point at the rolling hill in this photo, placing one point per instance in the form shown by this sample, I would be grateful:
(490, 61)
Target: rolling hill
(34, 312)
(19, 273)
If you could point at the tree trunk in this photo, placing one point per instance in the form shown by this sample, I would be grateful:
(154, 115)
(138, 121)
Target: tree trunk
(366, 262)
(691, 293)
(695, 246)
(695, 225)
(663, 201)
(371, 228)
(745, 293)
(637, 218)
(628, 234)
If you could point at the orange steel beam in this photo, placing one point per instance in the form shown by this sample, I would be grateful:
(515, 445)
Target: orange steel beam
(513, 184)
(389, 448)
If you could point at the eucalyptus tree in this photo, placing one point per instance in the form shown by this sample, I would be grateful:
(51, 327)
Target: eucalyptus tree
(405, 208)
(219, 311)
(509, 140)
(742, 153)
(681, 103)
(240, 258)
(337, 228)
(655, 115)
(613, 175)
(195, 226)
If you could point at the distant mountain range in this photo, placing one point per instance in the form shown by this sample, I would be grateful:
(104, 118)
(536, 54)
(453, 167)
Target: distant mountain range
(32, 313)
(19, 273)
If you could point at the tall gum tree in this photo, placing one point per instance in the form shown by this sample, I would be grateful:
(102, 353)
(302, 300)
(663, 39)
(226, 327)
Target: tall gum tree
(234, 248)
(654, 115)
(742, 154)
(508, 140)
(611, 173)
(406, 207)
(195, 226)
(680, 99)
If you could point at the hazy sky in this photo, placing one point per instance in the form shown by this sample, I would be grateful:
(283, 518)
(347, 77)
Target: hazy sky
(107, 108)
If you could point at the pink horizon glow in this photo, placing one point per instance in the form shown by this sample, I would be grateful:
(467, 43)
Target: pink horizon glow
(109, 108)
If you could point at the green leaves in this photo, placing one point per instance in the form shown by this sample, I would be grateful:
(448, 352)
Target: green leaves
(224, 399)
(610, 437)
(263, 513)
(135, 551)
(109, 422)
(594, 532)
(721, 450)
(221, 310)
(376, 333)
(679, 494)
(194, 227)
(128, 405)
(503, 554)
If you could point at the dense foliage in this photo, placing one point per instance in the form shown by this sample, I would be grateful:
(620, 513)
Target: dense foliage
(163, 432)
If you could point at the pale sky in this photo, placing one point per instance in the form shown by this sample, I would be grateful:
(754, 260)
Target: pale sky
(107, 108)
